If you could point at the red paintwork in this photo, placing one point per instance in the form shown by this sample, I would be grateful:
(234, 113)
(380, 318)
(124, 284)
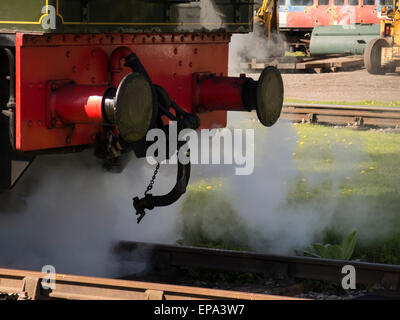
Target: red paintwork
(300, 19)
(218, 93)
(115, 64)
(325, 15)
(169, 59)
(78, 104)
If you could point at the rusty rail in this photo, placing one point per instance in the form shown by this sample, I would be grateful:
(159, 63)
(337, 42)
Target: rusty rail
(28, 285)
(166, 256)
(342, 114)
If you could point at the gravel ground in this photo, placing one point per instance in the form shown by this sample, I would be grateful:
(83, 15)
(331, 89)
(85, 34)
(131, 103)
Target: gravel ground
(279, 286)
(340, 86)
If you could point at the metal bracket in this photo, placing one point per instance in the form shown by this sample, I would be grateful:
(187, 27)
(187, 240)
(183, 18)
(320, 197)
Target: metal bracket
(154, 295)
(359, 121)
(30, 289)
(312, 118)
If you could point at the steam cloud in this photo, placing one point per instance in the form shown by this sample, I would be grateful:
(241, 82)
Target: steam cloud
(203, 12)
(255, 45)
(67, 212)
(273, 223)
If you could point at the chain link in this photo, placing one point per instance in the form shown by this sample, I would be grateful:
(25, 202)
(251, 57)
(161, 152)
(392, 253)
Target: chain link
(153, 179)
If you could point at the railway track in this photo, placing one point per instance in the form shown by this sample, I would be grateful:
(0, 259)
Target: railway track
(166, 256)
(27, 285)
(358, 116)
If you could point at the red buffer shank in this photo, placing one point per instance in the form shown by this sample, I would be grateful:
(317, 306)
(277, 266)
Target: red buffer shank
(212, 93)
(79, 104)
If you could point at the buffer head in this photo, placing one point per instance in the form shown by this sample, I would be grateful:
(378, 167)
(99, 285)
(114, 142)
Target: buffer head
(269, 96)
(135, 107)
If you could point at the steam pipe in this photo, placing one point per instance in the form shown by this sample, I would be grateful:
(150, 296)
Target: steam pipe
(115, 63)
(131, 60)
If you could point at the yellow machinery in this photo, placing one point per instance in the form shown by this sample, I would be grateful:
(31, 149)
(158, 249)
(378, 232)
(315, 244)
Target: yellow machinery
(268, 16)
(382, 55)
(265, 40)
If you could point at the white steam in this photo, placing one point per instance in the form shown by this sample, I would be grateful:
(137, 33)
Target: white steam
(69, 213)
(203, 12)
(262, 199)
(255, 45)
(210, 17)
(274, 221)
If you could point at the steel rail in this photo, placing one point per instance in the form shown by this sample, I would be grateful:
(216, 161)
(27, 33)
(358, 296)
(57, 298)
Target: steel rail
(165, 256)
(342, 114)
(28, 285)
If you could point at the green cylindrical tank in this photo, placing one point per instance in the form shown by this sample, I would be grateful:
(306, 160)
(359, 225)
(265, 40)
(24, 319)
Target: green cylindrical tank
(350, 39)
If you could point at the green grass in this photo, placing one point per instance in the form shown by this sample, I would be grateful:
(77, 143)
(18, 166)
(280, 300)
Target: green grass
(349, 178)
(364, 168)
(207, 218)
(368, 103)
